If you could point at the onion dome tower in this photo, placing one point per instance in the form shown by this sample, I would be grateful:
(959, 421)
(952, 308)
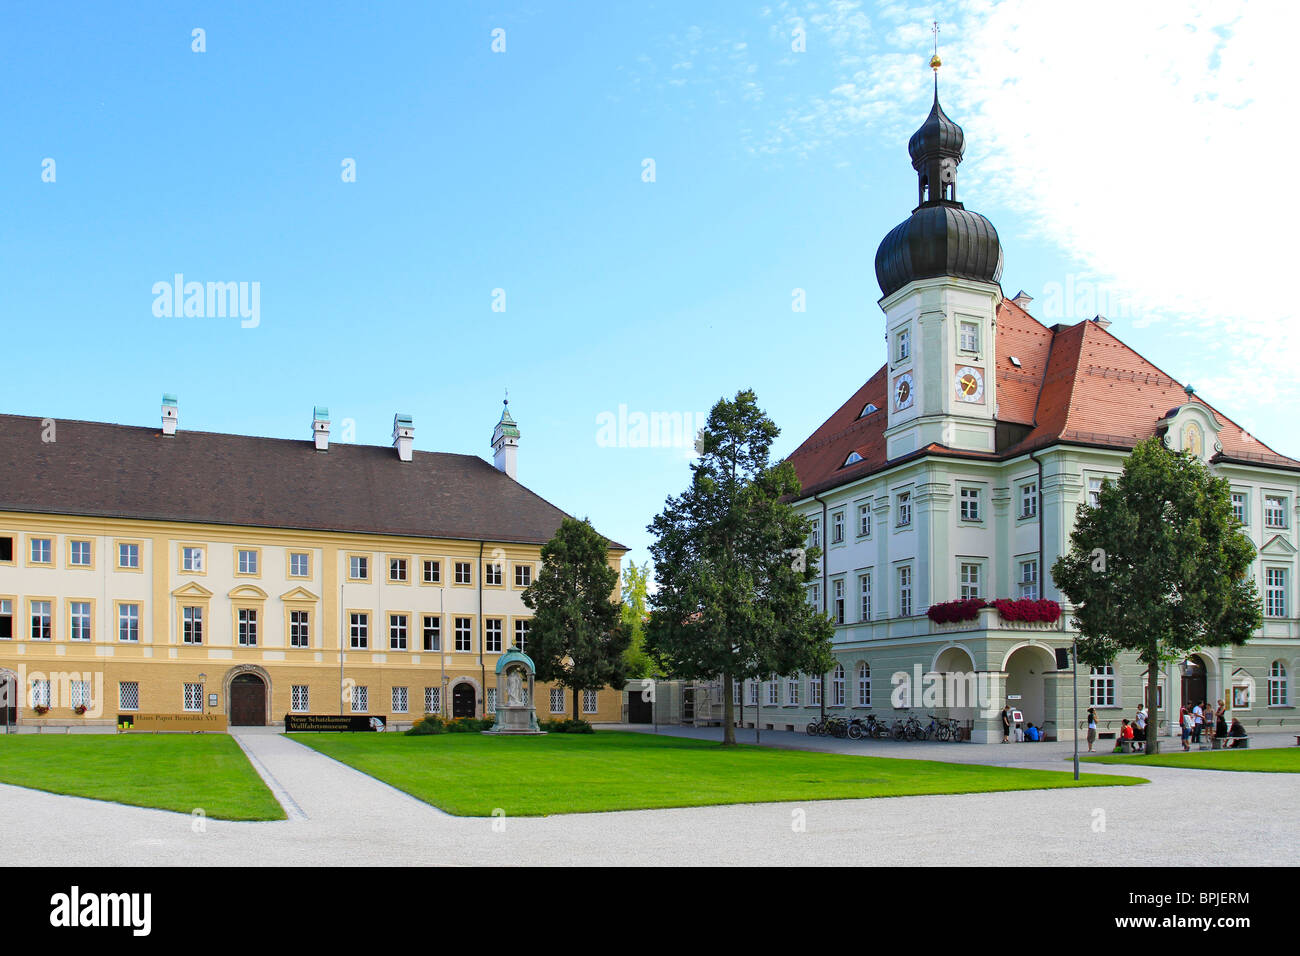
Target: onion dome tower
(938, 273)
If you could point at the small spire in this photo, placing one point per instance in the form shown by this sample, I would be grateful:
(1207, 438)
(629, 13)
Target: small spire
(935, 62)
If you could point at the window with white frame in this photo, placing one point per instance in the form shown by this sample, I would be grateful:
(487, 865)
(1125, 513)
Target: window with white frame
(970, 337)
(193, 697)
(1277, 685)
(358, 567)
(300, 699)
(837, 601)
(42, 620)
(1274, 511)
(401, 700)
(814, 532)
(79, 621)
(397, 570)
(588, 701)
(358, 630)
(557, 700)
(1029, 500)
(837, 686)
(864, 520)
(464, 572)
(904, 591)
(1029, 579)
(904, 509)
(792, 690)
(753, 693)
(128, 695)
(464, 628)
(247, 562)
(191, 559)
(773, 692)
(80, 693)
(79, 554)
(492, 635)
(248, 627)
(432, 627)
(360, 698)
(1101, 687)
(523, 575)
(128, 556)
(6, 618)
(970, 504)
(522, 627)
(41, 692)
(299, 564)
(1275, 592)
(432, 572)
(492, 574)
(1240, 507)
(903, 345)
(864, 590)
(814, 690)
(736, 690)
(128, 622)
(397, 624)
(300, 628)
(969, 579)
(837, 528)
(491, 706)
(1094, 492)
(864, 685)
(192, 624)
(433, 700)
(815, 596)
(42, 550)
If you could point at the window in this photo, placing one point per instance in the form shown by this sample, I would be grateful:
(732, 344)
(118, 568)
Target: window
(492, 635)
(79, 554)
(1029, 579)
(523, 575)
(970, 504)
(432, 572)
(814, 532)
(521, 634)
(753, 693)
(41, 692)
(192, 560)
(864, 587)
(792, 690)
(903, 346)
(246, 561)
(1274, 512)
(815, 690)
(773, 692)
(1277, 689)
(1275, 592)
(299, 564)
(397, 570)
(462, 572)
(300, 699)
(42, 549)
(464, 634)
(837, 606)
(300, 629)
(557, 700)
(837, 686)
(1094, 492)
(128, 622)
(970, 337)
(837, 528)
(358, 631)
(194, 697)
(1240, 506)
(359, 567)
(815, 596)
(79, 621)
(969, 577)
(904, 509)
(492, 574)
(864, 520)
(80, 693)
(588, 701)
(397, 632)
(1101, 687)
(6, 549)
(904, 592)
(191, 625)
(360, 698)
(491, 706)
(248, 627)
(6, 618)
(433, 700)
(128, 556)
(864, 685)
(1029, 500)
(128, 695)
(400, 700)
(42, 621)
(432, 626)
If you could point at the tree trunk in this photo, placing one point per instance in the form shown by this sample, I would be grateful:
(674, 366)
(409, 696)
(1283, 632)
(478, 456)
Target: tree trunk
(575, 704)
(728, 712)
(1153, 715)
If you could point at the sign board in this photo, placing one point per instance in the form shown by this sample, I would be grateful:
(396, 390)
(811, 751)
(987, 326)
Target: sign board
(173, 723)
(298, 723)
(1017, 716)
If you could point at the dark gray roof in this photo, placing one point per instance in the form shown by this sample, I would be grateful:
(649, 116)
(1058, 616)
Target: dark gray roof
(938, 136)
(121, 471)
(940, 239)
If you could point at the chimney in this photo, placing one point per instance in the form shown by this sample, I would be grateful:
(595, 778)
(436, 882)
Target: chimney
(1022, 299)
(1102, 321)
(505, 442)
(171, 414)
(403, 435)
(320, 427)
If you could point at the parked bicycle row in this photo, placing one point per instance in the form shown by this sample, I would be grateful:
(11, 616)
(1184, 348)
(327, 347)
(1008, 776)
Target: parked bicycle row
(870, 727)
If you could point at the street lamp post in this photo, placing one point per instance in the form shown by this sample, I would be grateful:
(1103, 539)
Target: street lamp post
(203, 693)
(1074, 664)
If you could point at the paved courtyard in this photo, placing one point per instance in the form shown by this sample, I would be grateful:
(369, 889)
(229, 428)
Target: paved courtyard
(340, 816)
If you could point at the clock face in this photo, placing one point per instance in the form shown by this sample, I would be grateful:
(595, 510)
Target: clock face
(969, 383)
(903, 391)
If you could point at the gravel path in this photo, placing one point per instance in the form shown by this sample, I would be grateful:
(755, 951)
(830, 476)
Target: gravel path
(345, 817)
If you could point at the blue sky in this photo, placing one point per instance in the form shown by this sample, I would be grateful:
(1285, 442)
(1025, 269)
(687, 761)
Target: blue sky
(1116, 161)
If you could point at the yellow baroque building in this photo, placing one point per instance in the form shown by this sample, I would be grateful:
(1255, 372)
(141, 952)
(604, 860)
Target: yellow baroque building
(161, 571)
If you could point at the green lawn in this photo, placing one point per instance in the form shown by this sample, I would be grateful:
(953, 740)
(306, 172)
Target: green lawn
(471, 775)
(1271, 760)
(180, 772)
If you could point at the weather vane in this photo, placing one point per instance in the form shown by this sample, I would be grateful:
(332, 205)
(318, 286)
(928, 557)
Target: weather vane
(935, 62)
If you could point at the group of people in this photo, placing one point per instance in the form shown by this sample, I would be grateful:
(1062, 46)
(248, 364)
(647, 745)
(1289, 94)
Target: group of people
(1194, 722)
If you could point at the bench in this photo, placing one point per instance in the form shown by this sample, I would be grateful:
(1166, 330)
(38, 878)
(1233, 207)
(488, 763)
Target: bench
(1126, 746)
(1237, 743)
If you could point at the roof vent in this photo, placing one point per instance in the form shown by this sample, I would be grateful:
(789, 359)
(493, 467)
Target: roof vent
(320, 427)
(403, 435)
(171, 414)
(1014, 361)
(1102, 321)
(1022, 299)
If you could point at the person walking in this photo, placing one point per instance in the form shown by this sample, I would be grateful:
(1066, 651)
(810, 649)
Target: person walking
(1092, 728)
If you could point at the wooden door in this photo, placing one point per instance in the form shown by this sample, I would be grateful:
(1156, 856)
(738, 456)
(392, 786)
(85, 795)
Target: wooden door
(247, 701)
(462, 700)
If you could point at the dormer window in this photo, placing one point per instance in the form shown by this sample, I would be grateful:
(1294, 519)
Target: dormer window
(853, 459)
(867, 409)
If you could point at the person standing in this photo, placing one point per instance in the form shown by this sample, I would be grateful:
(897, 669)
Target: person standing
(1198, 722)
(1220, 720)
(1188, 721)
(1006, 724)
(1140, 728)
(1092, 728)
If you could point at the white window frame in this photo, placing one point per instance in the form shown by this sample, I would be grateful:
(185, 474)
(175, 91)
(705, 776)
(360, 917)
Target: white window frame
(467, 631)
(246, 626)
(905, 591)
(399, 625)
(864, 684)
(903, 518)
(1103, 687)
(1028, 583)
(128, 695)
(358, 630)
(837, 600)
(970, 575)
(299, 564)
(300, 699)
(590, 702)
(1278, 689)
(79, 621)
(299, 627)
(837, 527)
(969, 336)
(864, 593)
(433, 700)
(248, 563)
(1241, 507)
(969, 504)
(192, 698)
(128, 623)
(557, 700)
(401, 700)
(1276, 584)
(1277, 514)
(360, 699)
(431, 632)
(864, 520)
(493, 634)
(128, 555)
(1029, 499)
(79, 545)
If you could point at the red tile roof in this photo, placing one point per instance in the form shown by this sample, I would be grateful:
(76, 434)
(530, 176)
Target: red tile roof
(1076, 384)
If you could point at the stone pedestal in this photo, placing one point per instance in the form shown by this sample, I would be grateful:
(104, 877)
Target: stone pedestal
(515, 713)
